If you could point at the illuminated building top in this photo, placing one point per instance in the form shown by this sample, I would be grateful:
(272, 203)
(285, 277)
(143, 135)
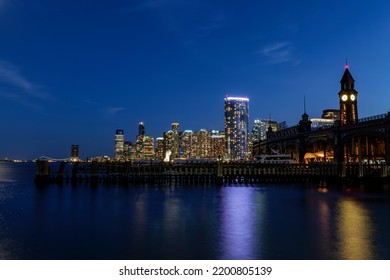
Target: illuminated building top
(237, 98)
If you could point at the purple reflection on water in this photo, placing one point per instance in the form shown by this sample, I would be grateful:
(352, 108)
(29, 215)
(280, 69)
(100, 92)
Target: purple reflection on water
(242, 216)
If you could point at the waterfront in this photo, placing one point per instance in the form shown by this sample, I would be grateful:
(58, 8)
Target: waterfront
(262, 221)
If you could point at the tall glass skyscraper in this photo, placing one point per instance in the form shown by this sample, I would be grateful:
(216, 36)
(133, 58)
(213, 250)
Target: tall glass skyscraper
(237, 127)
(119, 141)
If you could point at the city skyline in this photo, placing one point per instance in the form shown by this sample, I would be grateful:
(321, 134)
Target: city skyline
(72, 72)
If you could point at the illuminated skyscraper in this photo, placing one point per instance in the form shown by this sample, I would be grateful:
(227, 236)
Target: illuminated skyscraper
(176, 141)
(144, 145)
(74, 153)
(203, 142)
(260, 128)
(119, 142)
(139, 142)
(148, 147)
(141, 128)
(217, 145)
(160, 148)
(168, 145)
(128, 150)
(188, 144)
(237, 127)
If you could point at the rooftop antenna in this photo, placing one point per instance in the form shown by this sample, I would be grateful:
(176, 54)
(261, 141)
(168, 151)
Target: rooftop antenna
(346, 64)
(304, 103)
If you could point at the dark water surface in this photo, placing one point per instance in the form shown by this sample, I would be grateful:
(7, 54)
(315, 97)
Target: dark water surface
(266, 221)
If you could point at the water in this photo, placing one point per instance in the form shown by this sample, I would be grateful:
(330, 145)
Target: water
(266, 221)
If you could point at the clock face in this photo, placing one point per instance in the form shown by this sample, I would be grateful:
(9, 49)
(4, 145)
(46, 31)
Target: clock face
(344, 97)
(352, 97)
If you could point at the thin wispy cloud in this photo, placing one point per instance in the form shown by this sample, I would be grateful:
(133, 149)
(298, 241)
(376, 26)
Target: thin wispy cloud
(110, 112)
(18, 99)
(281, 52)
(12, 77)
(114, 110)
(203, 31)
(107, 112)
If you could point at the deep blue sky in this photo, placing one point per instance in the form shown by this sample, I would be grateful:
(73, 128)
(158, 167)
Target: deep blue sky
(73, 71)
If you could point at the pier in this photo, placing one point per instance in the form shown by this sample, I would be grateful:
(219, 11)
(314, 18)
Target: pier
(215, 173)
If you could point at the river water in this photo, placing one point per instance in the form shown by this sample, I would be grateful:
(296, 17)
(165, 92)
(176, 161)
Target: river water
(264, 221)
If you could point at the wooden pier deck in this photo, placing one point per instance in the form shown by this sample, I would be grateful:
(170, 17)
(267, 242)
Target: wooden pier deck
(216, 173)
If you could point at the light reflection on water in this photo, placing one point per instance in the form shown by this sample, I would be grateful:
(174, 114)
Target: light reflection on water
(242, 212)
(182, 222)
(324, 220)
(354, 230)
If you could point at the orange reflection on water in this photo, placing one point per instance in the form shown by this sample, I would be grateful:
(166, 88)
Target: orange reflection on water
(354, 231)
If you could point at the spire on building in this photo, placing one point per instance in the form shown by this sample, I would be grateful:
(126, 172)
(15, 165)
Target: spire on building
(347, 82)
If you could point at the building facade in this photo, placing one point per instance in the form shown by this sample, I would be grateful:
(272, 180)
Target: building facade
(168, 145)
(119, 142)
(188, 144)
(148, 148)
(237, 128)
(159, 148)
(260, 128)
(203, 141)
(217, 144)
(74, 153)
(175, 149)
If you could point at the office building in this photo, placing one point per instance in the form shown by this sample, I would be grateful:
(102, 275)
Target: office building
(203, 143)
(74, 153)
(188, 144)
(260, 128)
(217, 144)
(159, 148)
(175, 149)
(129, 150)
(168, 145)
(148, 148)
(119, 142)
(141, 128)
(237, 127)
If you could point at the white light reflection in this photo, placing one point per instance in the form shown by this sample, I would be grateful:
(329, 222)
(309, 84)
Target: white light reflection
(7, 173)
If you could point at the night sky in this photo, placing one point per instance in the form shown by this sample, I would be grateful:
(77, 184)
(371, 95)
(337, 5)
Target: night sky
(74, 71)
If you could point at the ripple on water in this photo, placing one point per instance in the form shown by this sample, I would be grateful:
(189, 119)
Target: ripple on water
(5, 191)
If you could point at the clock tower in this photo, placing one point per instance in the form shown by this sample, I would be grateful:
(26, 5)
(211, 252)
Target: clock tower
(348, 99)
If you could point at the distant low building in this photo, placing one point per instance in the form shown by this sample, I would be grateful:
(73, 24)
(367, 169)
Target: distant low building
(317, 123)
(333, 114)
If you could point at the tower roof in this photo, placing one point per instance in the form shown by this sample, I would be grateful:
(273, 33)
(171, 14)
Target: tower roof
(347, 82)
(347, 77)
